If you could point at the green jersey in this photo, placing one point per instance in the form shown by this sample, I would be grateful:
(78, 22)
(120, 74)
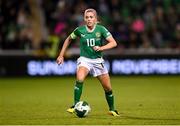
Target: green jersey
(90, 39)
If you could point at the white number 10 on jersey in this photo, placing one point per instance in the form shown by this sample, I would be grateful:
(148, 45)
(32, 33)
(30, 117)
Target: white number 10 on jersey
(90, 42)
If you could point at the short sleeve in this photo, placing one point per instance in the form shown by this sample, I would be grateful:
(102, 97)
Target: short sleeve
(105, 32)
(74, 34)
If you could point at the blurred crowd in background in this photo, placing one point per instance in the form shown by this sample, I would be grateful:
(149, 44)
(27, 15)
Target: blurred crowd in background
(44, 24)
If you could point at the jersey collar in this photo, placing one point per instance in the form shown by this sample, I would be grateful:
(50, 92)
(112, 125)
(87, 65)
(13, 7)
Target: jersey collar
(89, 29)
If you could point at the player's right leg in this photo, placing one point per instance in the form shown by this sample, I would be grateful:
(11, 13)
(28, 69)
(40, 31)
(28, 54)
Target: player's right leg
(81, 74)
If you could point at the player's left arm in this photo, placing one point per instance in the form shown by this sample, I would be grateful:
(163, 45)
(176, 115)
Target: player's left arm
(111, 43)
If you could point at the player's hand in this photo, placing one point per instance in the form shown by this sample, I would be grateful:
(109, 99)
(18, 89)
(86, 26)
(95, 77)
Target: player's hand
(97, 48)
(60, 60)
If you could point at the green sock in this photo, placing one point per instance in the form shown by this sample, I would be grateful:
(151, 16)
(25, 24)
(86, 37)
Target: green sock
(110, 100)
(77, 91)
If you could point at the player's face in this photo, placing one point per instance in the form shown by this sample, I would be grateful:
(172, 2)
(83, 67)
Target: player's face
(90, 19)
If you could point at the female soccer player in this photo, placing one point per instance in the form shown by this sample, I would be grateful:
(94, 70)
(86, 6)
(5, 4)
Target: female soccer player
(90, 60)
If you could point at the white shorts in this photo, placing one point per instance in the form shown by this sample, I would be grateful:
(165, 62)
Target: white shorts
(96, 67)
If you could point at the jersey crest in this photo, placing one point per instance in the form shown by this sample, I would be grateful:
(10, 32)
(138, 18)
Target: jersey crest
(98, 34)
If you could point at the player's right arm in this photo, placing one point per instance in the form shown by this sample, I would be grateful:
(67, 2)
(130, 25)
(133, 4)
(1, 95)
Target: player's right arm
(60, 58)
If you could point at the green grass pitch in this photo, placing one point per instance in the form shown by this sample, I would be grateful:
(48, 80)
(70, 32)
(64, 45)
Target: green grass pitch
(140, 100)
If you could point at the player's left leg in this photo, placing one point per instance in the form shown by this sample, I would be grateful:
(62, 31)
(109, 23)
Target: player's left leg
(105, 81)
(81, 74)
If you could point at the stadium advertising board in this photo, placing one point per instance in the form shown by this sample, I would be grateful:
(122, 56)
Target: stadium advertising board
(33, 66)
(115, 67)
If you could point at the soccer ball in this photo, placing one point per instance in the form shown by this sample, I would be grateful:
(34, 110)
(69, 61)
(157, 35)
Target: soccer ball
(82, 109)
